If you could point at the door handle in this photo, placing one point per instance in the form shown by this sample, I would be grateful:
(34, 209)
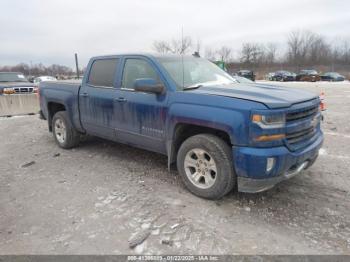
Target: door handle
(85, 94)
(120, 99)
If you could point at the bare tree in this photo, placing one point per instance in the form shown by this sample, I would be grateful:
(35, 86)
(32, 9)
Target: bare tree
(294, 47)
(252, 54)
(246, 53)
(181, 46)
(175, 46)
(270, 53)
(346, 52)
(305, 48)
(161, 47)
(39, 69)
(320, 51)
(341, 52)
(224, 53)
(209, 54)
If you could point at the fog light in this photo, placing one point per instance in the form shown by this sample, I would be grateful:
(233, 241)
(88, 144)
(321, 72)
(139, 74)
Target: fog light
(270, 164)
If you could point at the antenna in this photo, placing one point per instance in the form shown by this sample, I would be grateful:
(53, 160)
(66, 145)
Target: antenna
(182, 57)
(182, 40)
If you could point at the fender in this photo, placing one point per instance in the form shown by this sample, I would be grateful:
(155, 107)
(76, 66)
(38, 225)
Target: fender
(67, 99)
(222, 119)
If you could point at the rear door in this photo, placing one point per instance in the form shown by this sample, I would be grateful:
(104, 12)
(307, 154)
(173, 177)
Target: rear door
(97, 96)
(141, 116)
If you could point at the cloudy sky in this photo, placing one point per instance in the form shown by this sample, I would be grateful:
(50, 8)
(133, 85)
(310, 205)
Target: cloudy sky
(51, 31)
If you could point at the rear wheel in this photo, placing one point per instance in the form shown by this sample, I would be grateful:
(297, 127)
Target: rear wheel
(205, 164)
(64, 133)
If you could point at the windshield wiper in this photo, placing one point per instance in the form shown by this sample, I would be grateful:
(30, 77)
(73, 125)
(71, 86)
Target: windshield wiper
(192, 87)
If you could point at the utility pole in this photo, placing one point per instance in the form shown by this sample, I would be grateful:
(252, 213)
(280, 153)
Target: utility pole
(30, 67)
(76, 64)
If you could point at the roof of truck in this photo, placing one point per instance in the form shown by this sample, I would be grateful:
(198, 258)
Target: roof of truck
(154, 55)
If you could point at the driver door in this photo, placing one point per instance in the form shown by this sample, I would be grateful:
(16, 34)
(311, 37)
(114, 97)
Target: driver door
(140, 116)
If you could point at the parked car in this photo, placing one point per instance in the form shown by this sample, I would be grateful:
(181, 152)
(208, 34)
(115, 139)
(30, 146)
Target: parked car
(308, 75)
(332, 77)
(220, 133)
(247, 74)
(283, 76)
(14, 83)
(39, 79)
(269, 76)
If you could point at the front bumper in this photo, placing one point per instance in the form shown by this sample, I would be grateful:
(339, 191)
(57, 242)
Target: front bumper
(250, 165)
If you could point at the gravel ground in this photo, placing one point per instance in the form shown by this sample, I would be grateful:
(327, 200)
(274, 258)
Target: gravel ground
(97, 197)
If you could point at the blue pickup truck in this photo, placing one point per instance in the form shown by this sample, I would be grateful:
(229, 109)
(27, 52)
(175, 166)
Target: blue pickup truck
(222, 134)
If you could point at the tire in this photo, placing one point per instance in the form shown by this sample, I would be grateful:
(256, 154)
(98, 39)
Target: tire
(217, 152)
(66, 136)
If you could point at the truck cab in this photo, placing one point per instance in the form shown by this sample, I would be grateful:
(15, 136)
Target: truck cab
(220, 133)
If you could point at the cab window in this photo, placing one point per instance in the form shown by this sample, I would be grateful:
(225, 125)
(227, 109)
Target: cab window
(135, 69)
(102, 72)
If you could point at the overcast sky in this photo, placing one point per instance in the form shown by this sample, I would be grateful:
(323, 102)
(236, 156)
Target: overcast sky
(51, 31)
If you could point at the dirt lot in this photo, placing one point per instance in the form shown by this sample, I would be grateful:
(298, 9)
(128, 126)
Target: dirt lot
(92, 199)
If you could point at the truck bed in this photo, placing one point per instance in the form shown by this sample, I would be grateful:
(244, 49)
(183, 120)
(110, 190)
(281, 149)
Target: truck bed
(64, 93)
(46, 84)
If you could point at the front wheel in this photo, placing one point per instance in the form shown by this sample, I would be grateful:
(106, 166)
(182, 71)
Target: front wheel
(63, 131)
(205, 164)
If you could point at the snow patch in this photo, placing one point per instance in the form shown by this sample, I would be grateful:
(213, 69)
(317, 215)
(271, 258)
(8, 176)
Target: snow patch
(322, 151)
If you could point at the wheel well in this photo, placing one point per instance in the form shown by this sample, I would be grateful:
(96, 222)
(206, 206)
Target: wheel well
(53, 108)
(184, 131)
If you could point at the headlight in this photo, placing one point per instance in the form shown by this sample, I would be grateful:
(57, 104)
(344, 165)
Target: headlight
(9, 90)
(269, 121)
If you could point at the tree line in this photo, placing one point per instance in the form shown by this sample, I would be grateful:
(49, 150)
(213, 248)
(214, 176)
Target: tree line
(301, 49)
(40, 70)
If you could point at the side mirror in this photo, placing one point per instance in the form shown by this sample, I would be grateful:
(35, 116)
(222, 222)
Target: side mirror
(148, 85)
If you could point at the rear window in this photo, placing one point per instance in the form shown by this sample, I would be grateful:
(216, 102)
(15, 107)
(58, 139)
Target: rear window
(103, 72)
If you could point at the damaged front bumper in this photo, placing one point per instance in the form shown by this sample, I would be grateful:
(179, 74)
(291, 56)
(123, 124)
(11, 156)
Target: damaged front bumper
(251, 165)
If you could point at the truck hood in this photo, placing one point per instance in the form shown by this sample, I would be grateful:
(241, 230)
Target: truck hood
(271, 96)
(15, 84)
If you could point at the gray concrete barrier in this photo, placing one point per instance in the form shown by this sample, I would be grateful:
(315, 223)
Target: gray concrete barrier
(11, 105)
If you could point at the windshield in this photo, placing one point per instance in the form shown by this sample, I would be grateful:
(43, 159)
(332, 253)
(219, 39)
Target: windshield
(334, 74)
(245, 72)
(309, 72)
(12, 77)
(286, 73)
(194, 71)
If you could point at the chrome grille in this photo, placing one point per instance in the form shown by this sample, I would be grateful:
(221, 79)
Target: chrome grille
(23, 89)
(296, 137)
(302, 125)
(293, 116)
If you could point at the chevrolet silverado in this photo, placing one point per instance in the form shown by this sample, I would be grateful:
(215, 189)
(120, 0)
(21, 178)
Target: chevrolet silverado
(222, 134)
